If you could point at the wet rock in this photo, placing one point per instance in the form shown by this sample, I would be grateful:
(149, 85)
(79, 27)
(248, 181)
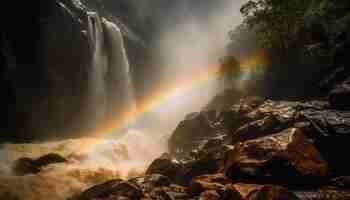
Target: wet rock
(201, 167)
(167, 167)
(230, 193)
(126, 189)
(160, 194)
(148, 182)
(274, 159)
(245, 189)
(268, 125)
(323, 194)
(209, 195)
(99, 191)
(177, 192)
(189, 133)
(214, 178)
(341, 182)
(270, 192)
(285, 111)
(25, 166)
(339, 97)
(197, 187)
(331, 131)
(236, 116)
(50, 159)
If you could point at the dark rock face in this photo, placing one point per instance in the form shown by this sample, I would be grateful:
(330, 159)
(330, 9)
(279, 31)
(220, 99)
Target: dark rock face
(262, 146)
(25, 166)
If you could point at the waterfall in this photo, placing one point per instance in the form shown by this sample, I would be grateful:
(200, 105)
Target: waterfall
(118, 78)
(99, 65)
(111, 88)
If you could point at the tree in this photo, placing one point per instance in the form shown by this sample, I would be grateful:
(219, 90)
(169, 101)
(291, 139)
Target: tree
(230, 70)
(278, 23)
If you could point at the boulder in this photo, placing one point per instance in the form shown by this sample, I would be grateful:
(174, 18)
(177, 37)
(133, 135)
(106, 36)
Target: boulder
(114, 189)
(268, 125)
(201, 167)
(148, 182)
(99, 191)
(288, 155)
(167, 167)
(270, 192)
(25, 166)
(189, 134)
(235, 116)
(331, 132)
(126, 189)
(339, 97)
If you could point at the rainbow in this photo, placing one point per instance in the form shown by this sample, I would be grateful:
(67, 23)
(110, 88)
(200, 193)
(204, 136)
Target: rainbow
(165, 92)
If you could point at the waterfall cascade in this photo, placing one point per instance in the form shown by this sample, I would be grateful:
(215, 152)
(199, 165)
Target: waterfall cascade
(119, 81)
(75, 77)
(110, 87)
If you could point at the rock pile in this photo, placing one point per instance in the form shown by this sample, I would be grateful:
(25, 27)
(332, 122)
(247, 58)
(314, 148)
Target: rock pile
(254, 150)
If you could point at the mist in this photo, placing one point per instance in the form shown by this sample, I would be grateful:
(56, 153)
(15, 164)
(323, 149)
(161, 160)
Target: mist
(190, 43)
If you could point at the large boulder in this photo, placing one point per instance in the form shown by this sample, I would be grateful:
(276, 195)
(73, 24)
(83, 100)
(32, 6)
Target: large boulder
(190, 133)
(167, 167)
(331, 132)
(25, 165)
(288, 155)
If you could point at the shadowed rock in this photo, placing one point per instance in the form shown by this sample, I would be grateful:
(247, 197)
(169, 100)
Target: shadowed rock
(190, 133)
(339, 97)
(168, 168)
(272, 193)
(25, 166)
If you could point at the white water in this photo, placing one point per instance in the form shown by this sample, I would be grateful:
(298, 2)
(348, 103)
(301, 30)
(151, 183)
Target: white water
(118, 78)
(104, 160)
(111, 89)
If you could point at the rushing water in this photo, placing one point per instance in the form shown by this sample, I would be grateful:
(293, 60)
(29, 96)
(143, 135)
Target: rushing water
(104, 160)
(110, 93)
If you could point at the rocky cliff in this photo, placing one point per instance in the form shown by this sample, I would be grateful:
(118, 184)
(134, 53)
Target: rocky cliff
(252, 150)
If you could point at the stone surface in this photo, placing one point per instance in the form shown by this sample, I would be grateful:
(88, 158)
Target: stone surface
(272, 193)
(190, 133)
(286, 155)
(167, 167)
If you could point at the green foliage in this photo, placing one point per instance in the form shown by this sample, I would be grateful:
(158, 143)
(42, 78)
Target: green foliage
(278, 23)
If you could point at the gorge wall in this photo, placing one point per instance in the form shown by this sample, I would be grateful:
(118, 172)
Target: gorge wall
(63, 70)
